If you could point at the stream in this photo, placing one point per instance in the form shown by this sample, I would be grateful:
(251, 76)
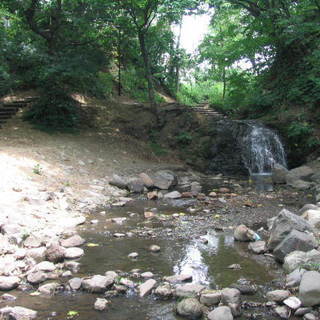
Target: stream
(207, 262)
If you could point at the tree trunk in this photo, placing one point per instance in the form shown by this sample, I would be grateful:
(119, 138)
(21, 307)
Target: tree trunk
(224, 83)
(147, 67)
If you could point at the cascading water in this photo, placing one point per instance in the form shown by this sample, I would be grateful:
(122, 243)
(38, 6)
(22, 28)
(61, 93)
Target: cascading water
(262, 149)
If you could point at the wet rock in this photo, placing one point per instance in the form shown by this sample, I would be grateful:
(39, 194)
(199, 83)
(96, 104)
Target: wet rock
(282, 311)
(164, 291)
(73, 266)
(17, 313)
(234, 266)
(36, 277)
(230, 295)
(75, 283)
(292, 302)
(178, 278)
(127, 282)
(66, 274)
(309, 289)
(133, 255)
(310, 316)
(119, 181)
(55, 253)
(73, 253)
(189, 290)
(111, 277)
(295, 240)
(173, 195)
(278, 295)
(135, 185)
(9, 283)
(49, 288)
(283, 224)
(74, 241)
(154, 248)
(302, 311)
(146, 287)
(96, 284)
(164, 179)
(247, 289)
(100, 304)
(300, 173)
(121, 289)
(279, 174)
(220, 313)
(300, 259)
(147, 275)
(210, 297)
(147, 181)
(45, 266)
(293, 279)
(258, 247)
(7, 297)
(243, 233)
(190, 308)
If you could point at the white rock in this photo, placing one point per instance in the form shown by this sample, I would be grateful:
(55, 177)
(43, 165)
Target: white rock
(73, 253)
(292, 302)
(146, 287)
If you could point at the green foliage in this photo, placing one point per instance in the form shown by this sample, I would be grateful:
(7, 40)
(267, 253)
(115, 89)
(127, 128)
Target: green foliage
(184, 138)
(54, 111)
(37, 169)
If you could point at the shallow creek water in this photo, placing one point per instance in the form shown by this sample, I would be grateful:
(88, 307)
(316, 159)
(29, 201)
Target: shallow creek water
(207, 262)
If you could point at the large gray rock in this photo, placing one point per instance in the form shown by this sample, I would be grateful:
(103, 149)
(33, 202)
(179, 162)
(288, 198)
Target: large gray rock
(307, 207)
(300, 173)
(279, 174)
(9, 283)
(119, 181)
(295, 240)
(189, 290)
(293, 279)
(17, 313)
(221, 313)
(55, 253)
(136, 185)
(190, 308)
(49, 288)
(148, 182)
(74, 241)
(278, 295)
(309, 289)
(173, 195)
(230, 296)
(96, 284)
(164, 179)
(282, 226)
(146, 287)
(164, 291)
(210, 297)
(257, 247)
(298, 259)
(313, 217)
(37, 277)
(243, 233)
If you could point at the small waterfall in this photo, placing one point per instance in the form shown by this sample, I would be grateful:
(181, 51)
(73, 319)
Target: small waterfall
(261, 150)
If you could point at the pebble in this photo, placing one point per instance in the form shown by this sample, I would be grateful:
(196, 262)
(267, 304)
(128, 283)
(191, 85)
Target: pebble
(154, 248)
(133, 255)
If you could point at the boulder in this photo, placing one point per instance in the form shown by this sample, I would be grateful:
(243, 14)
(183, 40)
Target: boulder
(96, 284)
(292, 302)
(32, 242)
(278, 295)
(146, 287)
(279, 174)
(313, 217)
(190, 308)
(74, 241)
(220, 313)
(309, 289)
(164, 179)
(210, 297)
(136, 185)
(173, 195)
(75, 283)
(189, 290)
(258, 247)
(300, 173)
(307, 207)
(9, 283)
(17, 313)
(37, 277)
(49, 288)
(73, 253)
(282, 226)
(298, 259)
(293, 279)
(147, 181)
(100, 304)
(300, 184)
(178, 278)
(230, 296)
(295, 240)
(55, 253)
(243, 233)
(119, 181)
(45, 266)
(164, 291)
